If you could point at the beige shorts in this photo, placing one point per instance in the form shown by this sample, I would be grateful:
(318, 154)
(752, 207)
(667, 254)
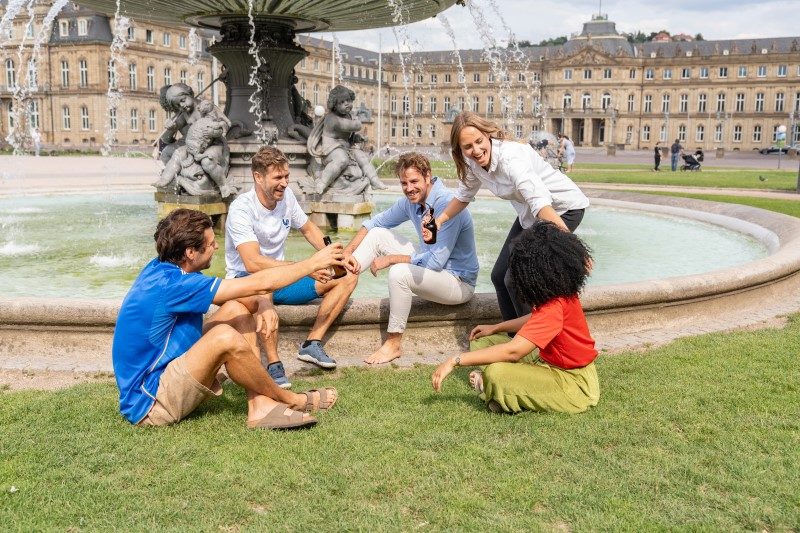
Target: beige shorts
(178, 395)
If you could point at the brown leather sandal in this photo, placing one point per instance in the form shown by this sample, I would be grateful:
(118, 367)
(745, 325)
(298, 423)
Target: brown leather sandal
(320, 399)
(277, 419)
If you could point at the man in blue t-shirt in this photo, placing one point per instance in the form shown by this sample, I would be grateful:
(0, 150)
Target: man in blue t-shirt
(444, 272)
(166, 361)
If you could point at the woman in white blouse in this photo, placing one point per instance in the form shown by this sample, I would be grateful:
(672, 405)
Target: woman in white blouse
(512, 170)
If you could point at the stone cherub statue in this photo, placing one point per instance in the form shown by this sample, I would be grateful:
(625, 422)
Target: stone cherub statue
(337, 160)
(198, 162)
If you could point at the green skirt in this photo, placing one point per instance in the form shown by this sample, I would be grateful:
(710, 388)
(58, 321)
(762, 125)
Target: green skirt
(534, 385)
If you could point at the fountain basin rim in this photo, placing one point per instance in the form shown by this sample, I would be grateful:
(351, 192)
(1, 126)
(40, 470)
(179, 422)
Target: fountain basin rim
(339, 15)
(780, 233)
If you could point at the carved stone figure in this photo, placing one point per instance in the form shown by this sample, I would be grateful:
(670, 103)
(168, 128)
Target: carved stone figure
(298, 106)
(334, 144)
(198, 162)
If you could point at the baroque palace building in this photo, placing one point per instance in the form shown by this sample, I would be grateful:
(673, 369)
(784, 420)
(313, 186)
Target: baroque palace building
(597, 87)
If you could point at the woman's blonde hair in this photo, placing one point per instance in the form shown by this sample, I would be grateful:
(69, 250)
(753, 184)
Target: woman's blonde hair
(463, 120)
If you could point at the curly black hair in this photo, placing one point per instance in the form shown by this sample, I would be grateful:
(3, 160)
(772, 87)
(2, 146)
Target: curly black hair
(547, 262)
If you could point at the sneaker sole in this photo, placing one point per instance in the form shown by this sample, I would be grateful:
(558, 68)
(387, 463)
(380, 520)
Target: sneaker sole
(309, 359)
(285, 385)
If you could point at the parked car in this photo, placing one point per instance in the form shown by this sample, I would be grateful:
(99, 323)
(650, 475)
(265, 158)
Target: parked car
(783, 149)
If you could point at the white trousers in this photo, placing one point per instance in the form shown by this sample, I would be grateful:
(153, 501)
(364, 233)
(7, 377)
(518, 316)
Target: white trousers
(407, 280)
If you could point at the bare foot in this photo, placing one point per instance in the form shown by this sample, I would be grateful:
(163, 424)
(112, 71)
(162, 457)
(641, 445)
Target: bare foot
(384, 354)
(476, 380)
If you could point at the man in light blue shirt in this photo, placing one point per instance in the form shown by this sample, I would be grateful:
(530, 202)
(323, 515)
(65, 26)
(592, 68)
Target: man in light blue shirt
(444, 272)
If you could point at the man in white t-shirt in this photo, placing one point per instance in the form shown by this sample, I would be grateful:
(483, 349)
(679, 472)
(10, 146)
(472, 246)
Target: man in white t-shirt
(256, 230)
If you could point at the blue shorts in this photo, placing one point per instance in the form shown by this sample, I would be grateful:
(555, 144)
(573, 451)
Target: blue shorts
(300, 292)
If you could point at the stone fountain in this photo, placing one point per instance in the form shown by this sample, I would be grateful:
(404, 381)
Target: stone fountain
(259, 52)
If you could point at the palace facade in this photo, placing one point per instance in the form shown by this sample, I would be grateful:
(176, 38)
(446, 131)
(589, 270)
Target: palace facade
(597, 87)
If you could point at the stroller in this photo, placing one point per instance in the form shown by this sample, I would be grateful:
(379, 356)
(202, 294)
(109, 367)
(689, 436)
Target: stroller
(548, 152)
(692, 161)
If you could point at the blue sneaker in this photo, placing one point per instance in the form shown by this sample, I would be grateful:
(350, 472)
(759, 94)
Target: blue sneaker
(278, 375)
(314, 353)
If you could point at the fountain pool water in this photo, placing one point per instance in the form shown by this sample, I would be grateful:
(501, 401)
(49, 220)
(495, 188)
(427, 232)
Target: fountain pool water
(93, 246)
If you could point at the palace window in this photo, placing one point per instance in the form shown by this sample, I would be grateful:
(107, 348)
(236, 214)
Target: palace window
(475, 104)
(737, 133)
(756, 134)
(723, 72)
(632, 74)
(434, 79)
(112, 118)
(742, 71)
(682, 133)
(419, 104)
(182, 41)
(84, 118)
(11, 75)
(686, 73)
(83, 73)
(83, 27)
(759, 102)
(432, 104)
(151, 120)
(740, 102)
(648, 74)
(703, 72)
(64, 73)
(701, 102)
(667, 73)
(665, 103)
(779, 102)
(166, 39)
(66, 123)
(447, 104)
(567, 73)
(134, 120)
(646, 132)
(762, 71)
(447, 78)
(586, 101)
(700, 133)
(718, 133)
(148, 36)
(490, 104)
(520, 105)
(132, 76)
(721, 102)
(648, 103)
(631, 103)
(63, 28)
(606, 73)
(566, 101)
(605, 101)
(167, 76)
(587, 73)
(151, 78)
(684, 103)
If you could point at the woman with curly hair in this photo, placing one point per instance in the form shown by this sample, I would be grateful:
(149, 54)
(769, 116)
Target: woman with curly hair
(485, 157)
(549, 268)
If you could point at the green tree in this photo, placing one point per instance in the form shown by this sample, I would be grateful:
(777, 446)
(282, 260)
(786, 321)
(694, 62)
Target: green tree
(553, 41)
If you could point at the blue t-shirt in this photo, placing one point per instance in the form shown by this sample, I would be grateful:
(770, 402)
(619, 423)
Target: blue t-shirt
(160, 319)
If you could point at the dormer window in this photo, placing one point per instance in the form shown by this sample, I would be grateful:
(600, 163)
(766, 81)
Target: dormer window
(83, 27)
(63, 28)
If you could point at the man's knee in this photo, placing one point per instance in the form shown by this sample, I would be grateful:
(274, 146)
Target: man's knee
(224, 339)
(498, 277)
(379, 235)
(400, 274)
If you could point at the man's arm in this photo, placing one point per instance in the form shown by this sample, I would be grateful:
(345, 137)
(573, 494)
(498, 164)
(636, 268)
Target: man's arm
(271, 279)
(253, 261)
(313, 235)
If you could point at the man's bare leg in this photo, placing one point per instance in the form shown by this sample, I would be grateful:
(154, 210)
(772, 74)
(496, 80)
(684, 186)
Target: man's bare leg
(335, 294)
(230, 339)
(390, 350)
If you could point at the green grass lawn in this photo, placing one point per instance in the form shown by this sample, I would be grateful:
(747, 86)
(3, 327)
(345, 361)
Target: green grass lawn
(703, 434)
(787, 207)
(642, 175)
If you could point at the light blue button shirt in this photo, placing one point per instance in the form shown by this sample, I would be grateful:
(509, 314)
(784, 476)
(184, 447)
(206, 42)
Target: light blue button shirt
(454, 250)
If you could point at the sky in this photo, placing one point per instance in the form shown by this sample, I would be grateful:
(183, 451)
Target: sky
(535, 20)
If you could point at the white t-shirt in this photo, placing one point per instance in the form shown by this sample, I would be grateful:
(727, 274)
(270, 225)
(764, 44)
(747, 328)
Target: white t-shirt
(518, 174)
(249, 221)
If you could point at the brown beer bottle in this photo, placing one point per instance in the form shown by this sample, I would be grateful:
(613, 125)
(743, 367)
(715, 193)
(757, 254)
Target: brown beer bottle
(337, 271)
(430, 225)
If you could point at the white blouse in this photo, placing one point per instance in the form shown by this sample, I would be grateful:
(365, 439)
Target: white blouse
(518, 174)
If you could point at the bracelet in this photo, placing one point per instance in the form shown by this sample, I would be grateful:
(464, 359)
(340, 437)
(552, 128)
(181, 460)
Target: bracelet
(458, 360)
